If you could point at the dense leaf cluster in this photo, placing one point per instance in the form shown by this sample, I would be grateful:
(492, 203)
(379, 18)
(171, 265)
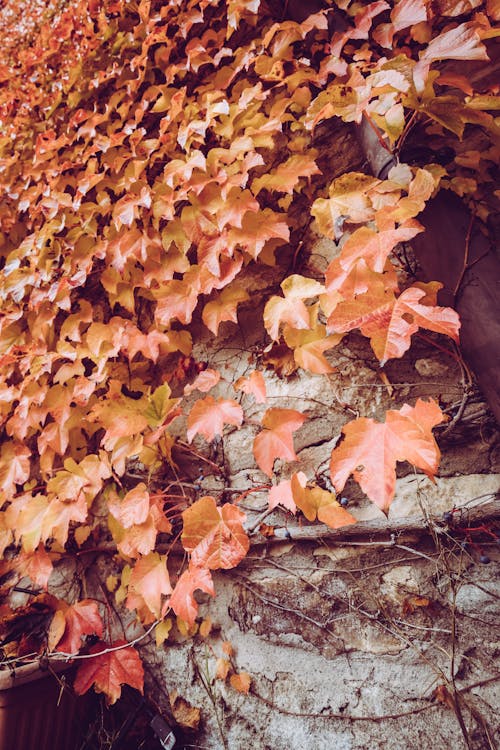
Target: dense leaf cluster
(150, 152)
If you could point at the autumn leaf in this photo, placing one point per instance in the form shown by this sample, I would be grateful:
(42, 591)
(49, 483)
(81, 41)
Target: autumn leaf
(241, 682)
(208, 417)
(370, 450)
(214, 536)
(149, 580)
(223, 667)
(349, 200)
(390, 322)
(309, 347)
(286, 176)
(182, 600)
(184, 713)
(279, 310)
(203, 382)
(131, 509)
(254, 384)
(14, 466)
(160, 405)
(315, 502)
(281, 494)
(223, 308)
(276, 440)
(80, 619)
(109, 669)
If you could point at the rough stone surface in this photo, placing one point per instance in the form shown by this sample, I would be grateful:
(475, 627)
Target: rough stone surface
(380, 642)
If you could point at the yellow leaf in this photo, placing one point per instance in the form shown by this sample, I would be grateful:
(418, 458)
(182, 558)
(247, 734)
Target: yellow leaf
(162, 631)
(205, 627)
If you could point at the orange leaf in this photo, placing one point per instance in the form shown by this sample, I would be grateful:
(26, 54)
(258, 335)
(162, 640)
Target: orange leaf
(276, 441)
(109, 671)
(281, 494)
(370, 450)
(241, 682)
(222, 668)
(280, 310)
(203, 382)
(131, 509)
(223, 308)
(148, 581)
(349, 200)
(390, 322)
(182, 600)
(208, 417)
(286, 176)
(254, 384)
(14, 466)
(315, 502)
(214, 536)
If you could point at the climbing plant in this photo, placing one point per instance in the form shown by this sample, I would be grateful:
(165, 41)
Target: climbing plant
(151, 152)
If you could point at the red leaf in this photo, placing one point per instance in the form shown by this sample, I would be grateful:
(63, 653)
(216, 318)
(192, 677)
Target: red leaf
(82, 619)
(208, 417)
(182, 600)
(277, 440)
(370, 450)
(214, 536)
(109, 671)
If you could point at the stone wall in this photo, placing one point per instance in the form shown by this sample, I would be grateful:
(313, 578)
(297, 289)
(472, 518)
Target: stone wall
(382, 635)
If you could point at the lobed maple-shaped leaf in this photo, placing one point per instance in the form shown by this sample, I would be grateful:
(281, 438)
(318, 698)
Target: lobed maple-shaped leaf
(370, 450)
(214, 536)
(279, 310)
(131, 509)
(14, 466)
(315, 502)
(36, 565)
(161, 406)
(108, 671)
(148, 581)
(349, 200)
(254, 384)
(223, 308)
(208, 417)
(204, 381)
(79, 619)
(276, 440)
(281, 494)
(286, 176)
(182, 600)
(373, 246)
(309, 347)
(390, 322)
